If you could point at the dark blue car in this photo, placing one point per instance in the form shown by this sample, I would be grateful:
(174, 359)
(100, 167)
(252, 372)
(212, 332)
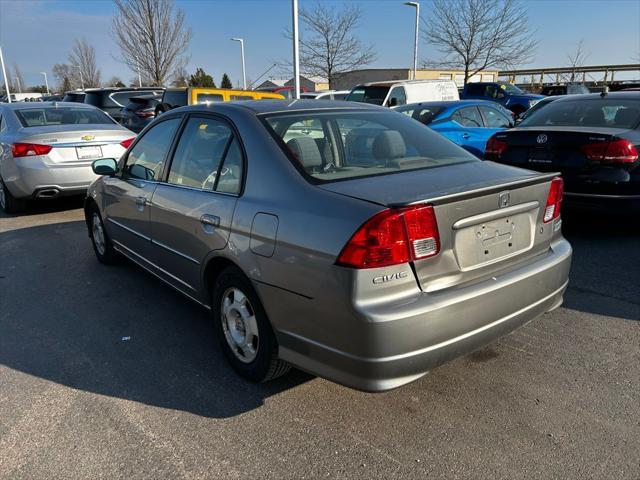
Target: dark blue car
(506, 94)
(469, 123)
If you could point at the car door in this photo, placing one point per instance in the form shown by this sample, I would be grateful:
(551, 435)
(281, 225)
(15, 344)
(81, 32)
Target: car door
(397, 96)
(127, 195)
(191, 212)
(470, 131)
(494, 121)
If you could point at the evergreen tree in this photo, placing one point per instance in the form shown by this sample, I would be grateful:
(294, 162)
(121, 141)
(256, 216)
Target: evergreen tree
(201, 79)
(226, 82)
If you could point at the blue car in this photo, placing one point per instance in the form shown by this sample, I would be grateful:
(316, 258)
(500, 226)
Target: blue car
(469, 123)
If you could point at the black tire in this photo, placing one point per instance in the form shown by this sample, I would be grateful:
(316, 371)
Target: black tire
(266, 365)
(104, 250)
(8, 202)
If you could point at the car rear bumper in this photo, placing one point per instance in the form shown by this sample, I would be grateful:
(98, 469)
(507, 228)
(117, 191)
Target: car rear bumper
(32, 177)
(623, 204)
(408, 338)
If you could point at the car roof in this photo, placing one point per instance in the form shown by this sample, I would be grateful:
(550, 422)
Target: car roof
(389, 83)
(595, 96)
(260, 107)
(24, 105)
(450, 103)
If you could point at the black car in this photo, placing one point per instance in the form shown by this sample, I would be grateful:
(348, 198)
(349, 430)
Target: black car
(139, 111)
(593, 140)
(112, 100)
(568, 89)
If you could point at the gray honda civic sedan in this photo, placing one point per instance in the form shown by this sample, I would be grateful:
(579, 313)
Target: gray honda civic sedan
(344, 239)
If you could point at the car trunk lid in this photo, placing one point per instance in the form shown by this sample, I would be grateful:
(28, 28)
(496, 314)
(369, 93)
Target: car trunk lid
(549, 149)
(486, 214)
(79, 143)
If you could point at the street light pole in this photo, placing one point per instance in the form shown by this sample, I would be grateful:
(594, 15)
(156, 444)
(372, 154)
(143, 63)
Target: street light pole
(46, 83)
(296, 51)
(415, 45)
(4, 76)
(19, 84)
(81, 79)
(139, 74)
(244, 75)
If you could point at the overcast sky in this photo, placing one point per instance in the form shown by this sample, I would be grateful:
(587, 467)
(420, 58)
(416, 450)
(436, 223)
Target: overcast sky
(36, 34)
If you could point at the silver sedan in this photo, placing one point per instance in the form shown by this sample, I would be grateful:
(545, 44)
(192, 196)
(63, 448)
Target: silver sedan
(46, 149)
(345, 239)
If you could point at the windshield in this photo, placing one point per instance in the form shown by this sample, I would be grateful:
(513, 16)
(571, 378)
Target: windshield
(40, 117)
(372, 94)
(335, 146)
(620, 113)
(511, 89)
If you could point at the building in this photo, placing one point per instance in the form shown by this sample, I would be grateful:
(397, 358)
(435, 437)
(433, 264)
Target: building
(347, 80)
(311, 84)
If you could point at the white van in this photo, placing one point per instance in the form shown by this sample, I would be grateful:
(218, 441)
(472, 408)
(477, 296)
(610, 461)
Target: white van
(25, 97)
(394, 92)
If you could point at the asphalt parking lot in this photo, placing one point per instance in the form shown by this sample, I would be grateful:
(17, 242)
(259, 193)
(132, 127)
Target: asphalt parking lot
(107, 373)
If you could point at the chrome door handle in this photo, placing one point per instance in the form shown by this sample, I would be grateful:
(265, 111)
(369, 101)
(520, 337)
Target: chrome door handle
(141, 201)
(210, 220)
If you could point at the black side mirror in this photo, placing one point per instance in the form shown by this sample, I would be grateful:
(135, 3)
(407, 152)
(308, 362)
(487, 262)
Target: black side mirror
(105, 166)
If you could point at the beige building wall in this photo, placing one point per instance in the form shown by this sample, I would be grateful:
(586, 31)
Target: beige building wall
(348, 80)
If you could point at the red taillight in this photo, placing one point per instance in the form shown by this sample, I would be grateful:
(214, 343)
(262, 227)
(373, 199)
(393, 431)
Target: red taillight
(146, 113)
(554, 200)
(495, 148)
(126, 143)
(616, 150)
(392, 237)
(29, 149)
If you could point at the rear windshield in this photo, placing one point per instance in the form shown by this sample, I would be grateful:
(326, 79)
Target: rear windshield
(335, 146)
(424, 114)
(371, 94)
(208, 97)
(596, 112)
(40, 117)
(74, 97)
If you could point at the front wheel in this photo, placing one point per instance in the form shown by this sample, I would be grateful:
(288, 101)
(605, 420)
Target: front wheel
(243, 329)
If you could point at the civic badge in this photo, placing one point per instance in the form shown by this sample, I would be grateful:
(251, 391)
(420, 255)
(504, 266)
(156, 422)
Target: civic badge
(503, 199)
(88, 138)
(542, 138)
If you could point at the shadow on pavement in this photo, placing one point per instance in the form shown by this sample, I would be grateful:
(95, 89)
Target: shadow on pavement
(115, 331)
(606, 264)
(38, 207)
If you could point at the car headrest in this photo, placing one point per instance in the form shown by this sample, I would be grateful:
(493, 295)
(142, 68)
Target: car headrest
(389, 144)
(306, 151)
(626, 116)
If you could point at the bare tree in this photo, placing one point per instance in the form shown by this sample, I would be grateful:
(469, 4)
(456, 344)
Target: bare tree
(481, 34)
(328, 45)
(152, 36)
(66, 76)
(19, 84)
(83, 59)
(180, 77)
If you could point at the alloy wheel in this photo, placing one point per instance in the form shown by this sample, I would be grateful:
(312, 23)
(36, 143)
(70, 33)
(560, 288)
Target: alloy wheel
(239, 325)
(97, 233)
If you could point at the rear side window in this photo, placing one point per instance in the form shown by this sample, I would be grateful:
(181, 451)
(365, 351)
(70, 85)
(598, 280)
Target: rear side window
(207, 157)
(241, 97)
(330, 146)
(146, 159)
(468, 117)
(371, 94)
(475, 89)
(46, 116)
(597, 112)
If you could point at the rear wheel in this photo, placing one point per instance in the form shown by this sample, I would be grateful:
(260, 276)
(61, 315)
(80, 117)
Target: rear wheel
(8, 202)
(102, 245)
(243, 329)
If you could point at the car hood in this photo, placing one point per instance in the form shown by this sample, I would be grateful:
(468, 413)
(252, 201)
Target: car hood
(430, 184)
